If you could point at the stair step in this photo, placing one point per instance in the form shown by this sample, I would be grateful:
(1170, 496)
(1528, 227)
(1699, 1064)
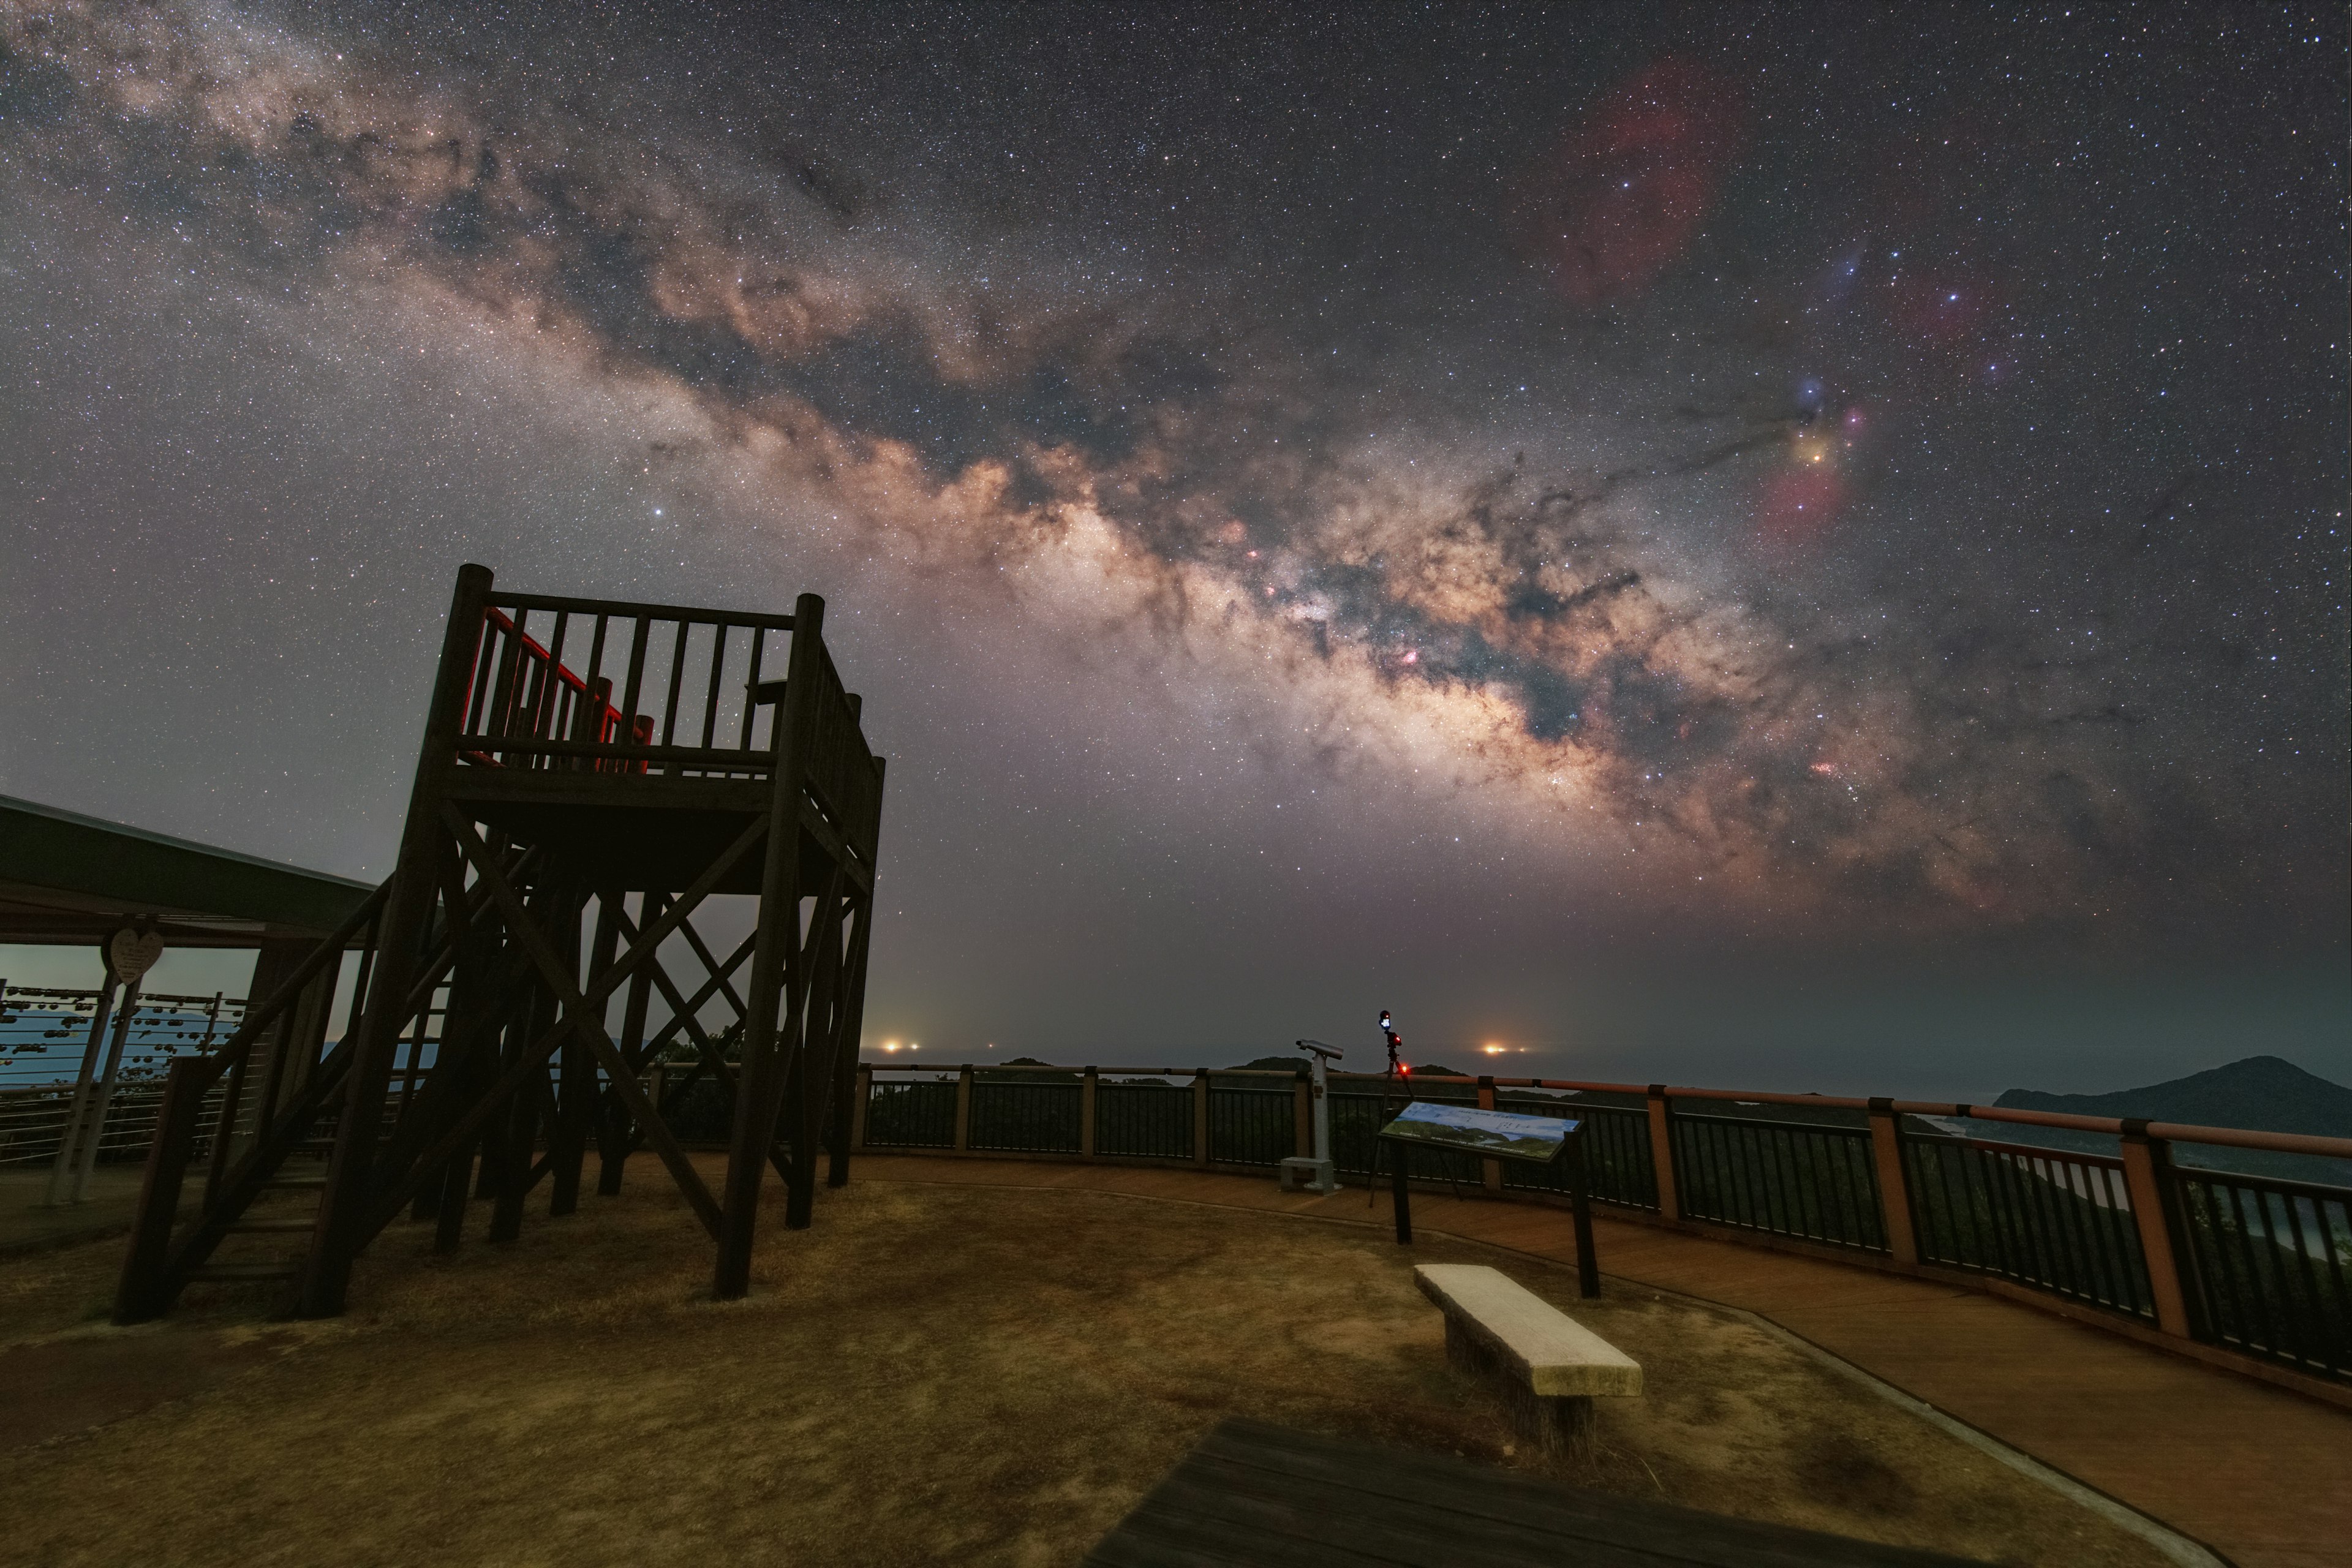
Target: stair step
(288, 1226)
(294, 1181)
(282, 1271)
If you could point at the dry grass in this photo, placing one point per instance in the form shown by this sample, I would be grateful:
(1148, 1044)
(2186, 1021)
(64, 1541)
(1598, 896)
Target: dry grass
(931, 1374)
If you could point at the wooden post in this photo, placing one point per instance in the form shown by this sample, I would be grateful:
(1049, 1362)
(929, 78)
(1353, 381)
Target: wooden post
(1490, 1172)
(2147, 1171)
(865, 1094)
(1661, 1152)
(1401, 1195)
(849, 1091)
(424, 846)
(1200, 1117)
(620, 1135)
(513, 1133)
(577, 1098)
(139, 1296)
(770, 1043)
(1894, 1181)
(963, 1109)
(1302, 1116)
(815, 1073)
(1086, 1115)
(1579, 1197)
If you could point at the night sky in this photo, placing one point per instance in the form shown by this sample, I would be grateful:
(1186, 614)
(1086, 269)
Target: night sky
(1796, 547)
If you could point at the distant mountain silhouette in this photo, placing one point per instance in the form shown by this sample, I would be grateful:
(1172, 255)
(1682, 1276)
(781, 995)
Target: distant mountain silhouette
(2264, 1093)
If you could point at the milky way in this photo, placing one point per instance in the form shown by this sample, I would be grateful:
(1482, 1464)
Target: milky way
(1765, 475)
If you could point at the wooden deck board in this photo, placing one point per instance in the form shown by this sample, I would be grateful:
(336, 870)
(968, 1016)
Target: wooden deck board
(1254, 1494)
(2261, 1474)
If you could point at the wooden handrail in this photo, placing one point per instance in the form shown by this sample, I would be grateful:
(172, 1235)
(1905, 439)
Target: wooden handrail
(620, 610)
(2108, 1126)
(262, 1014)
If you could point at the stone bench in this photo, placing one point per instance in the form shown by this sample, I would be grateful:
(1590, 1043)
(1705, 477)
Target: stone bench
(1551, 1366)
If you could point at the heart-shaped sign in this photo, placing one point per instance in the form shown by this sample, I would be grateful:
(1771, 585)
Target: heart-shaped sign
(131, 954)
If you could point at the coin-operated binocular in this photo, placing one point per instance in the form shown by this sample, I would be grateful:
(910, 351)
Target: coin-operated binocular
(1315, 1175)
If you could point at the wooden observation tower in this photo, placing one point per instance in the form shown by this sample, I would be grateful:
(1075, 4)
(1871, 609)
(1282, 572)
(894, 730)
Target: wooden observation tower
(593, 774)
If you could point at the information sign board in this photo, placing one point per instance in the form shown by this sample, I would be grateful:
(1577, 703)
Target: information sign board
(1490, 1134)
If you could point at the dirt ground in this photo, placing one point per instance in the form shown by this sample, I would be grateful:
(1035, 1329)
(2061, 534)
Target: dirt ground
(932, 1374)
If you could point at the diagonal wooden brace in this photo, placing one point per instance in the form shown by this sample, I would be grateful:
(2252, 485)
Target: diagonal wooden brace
(577, 1010)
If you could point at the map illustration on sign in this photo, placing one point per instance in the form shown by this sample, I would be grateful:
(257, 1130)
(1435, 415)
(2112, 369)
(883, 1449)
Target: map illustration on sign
(1494, 1134)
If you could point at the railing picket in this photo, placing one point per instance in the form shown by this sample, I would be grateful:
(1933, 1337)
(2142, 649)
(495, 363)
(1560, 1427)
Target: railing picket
(554, 692)
(2258, 1278)
(484, 667)
(2308, 1335)
(596, 652)
(750, 684)
(717, 669)
(2219, 1276)
(502, 693)
(636, 687)
(668, 732)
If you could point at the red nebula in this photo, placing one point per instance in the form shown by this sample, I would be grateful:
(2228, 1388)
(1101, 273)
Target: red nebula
(1800, 504)
(1621, 198)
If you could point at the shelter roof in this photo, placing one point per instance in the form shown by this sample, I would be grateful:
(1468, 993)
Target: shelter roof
(69, 879)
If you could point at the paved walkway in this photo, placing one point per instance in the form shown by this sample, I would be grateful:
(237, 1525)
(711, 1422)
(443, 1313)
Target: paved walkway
(2260, 1475)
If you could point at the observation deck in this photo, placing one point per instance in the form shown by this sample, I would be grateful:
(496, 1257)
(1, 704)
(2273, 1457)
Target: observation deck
(652, 756)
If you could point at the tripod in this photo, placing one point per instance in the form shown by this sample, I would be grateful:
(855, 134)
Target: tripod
(1399, 1074)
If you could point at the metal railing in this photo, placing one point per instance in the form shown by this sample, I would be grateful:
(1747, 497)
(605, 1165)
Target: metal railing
(1619, 1167)
(45, 1031)
(1029, 1118)
(2053, 1220)
(2260, 1266)
(1252, 1126)
(918, 1115)
(1143, 1121)
(2267, 1263)
(1807, 1179)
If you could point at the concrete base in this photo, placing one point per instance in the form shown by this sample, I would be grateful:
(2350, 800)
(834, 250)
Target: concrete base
(1309, 1175)
(1554, 1424)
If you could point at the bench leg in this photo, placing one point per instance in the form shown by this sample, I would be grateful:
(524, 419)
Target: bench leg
(1554, 1424)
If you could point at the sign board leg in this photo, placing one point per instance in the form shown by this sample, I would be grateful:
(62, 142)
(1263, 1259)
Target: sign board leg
(1587, 1268)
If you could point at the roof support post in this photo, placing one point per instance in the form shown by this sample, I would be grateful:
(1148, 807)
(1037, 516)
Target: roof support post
(70, 1135)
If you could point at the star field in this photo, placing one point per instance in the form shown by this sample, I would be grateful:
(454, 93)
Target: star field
(1311, 501)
